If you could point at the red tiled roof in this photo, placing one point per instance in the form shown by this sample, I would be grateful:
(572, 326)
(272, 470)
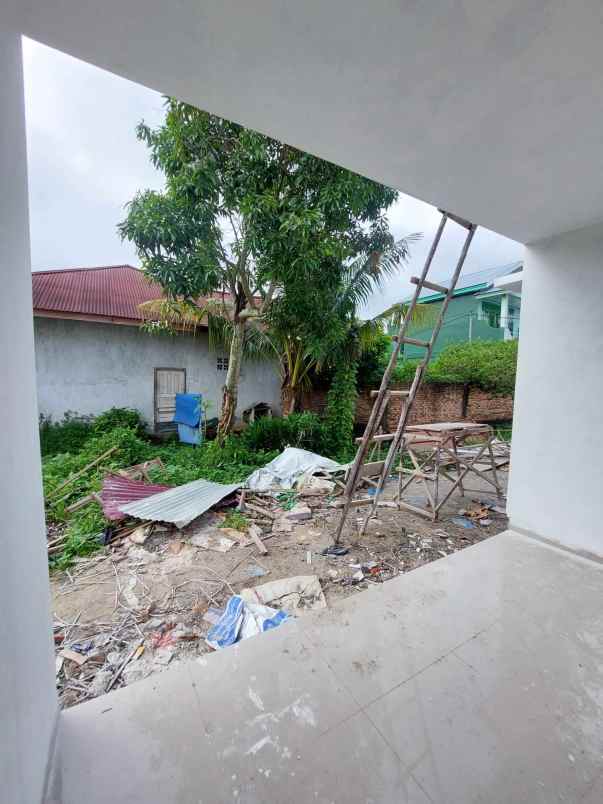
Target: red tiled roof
(110, 292)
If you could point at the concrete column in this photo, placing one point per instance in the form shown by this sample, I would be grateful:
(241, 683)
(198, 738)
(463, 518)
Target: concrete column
(28, 703)
(556, 469)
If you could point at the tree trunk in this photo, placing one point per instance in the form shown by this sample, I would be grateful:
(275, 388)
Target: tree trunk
(230, 391)
(288, 396)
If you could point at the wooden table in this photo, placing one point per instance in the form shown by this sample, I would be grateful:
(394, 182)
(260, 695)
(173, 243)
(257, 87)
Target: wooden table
(440, 449)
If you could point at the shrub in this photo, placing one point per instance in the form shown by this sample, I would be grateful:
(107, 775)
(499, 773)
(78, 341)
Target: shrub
(372, 362)
(304, 430)
(229, 462)
(119, 417)
(490, 365)
(68, 435)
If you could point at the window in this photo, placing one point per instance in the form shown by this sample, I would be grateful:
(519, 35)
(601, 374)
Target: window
(222, 364)
(490, 312)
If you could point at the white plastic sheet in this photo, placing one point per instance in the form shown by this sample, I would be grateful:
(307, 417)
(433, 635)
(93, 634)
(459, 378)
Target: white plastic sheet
(288, 467)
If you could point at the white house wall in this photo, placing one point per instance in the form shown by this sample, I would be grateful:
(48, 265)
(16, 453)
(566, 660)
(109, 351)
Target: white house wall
(556, 479)
(88, 367)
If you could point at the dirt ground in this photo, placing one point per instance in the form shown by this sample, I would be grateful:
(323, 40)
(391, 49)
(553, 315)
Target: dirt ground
(133, 609)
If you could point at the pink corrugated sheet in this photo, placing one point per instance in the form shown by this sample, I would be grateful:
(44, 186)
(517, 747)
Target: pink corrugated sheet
(118, 491)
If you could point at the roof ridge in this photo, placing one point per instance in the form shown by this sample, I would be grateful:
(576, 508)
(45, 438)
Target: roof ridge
(91, 268)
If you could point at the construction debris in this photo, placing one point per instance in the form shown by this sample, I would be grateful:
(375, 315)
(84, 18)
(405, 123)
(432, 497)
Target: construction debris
(212, 541)
(241, 620)
(182, 504)
(290, 594)
(141, 534)
(155, 595)
(299, 513)
(119, 491)
(254, 534)
(288, 467)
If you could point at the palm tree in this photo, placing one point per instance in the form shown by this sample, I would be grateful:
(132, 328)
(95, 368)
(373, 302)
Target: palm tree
(299, 357)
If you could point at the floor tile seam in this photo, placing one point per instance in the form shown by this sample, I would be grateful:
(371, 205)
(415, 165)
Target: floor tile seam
(426, 667)
(408, 769)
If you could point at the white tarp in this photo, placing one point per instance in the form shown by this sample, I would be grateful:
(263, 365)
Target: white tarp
(288, 467)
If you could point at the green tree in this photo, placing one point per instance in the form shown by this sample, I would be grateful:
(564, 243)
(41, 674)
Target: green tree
(244, 221)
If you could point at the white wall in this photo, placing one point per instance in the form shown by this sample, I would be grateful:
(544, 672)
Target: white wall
(28, 702)
(88, 367)
(556, 480)
(490, 109)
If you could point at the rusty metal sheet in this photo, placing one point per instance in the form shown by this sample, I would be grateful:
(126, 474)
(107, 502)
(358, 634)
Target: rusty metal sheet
(118, 491)
(180, 505)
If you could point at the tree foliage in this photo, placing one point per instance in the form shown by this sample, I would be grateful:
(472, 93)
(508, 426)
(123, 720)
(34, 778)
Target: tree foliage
(243, 214)
(490, 365)
(341, 410)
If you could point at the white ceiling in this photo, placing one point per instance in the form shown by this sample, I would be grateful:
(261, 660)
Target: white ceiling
(492, 109)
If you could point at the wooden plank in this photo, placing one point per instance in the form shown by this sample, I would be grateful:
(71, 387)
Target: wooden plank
(371, 469)
(391, 393)
(343, 503)
(259, 510)
(457, 219)
(415, 342)
(83, 471)
(429, 285)
(422, 511)
(378, 438)
(254, 534)
(94, 497)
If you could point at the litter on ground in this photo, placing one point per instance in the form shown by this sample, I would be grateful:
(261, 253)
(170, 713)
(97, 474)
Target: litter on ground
(183, 581)
(243, 619)
(289, 467)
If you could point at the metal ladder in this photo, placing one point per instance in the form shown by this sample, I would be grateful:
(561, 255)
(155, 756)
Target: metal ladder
(383, 394)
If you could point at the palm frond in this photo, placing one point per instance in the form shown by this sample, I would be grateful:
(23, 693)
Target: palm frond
(179, 314)
(423, 315)
(366, 273)
(259, 344)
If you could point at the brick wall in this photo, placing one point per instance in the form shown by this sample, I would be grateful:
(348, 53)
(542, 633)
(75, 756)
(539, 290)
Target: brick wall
(434, 403)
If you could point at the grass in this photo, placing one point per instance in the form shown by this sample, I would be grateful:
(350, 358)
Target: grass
(232, 462)
(236, 520)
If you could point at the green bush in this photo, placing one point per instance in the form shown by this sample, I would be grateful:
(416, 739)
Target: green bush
(305, 430)
(341, 412)
(372, 362)
(68, 435)
(490, 365)
(230, 462)
(119, 417)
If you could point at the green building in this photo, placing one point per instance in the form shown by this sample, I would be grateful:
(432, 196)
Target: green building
(478, 310)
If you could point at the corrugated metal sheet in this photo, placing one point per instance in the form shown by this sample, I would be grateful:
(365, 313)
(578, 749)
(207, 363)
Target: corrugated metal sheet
(182, 504)
(111, 292)
(118, 491)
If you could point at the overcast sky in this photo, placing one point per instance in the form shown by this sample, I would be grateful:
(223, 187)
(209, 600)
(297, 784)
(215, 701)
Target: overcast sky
(85, 163)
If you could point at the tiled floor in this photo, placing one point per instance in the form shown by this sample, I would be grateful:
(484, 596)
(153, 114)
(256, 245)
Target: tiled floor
(478, 678)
